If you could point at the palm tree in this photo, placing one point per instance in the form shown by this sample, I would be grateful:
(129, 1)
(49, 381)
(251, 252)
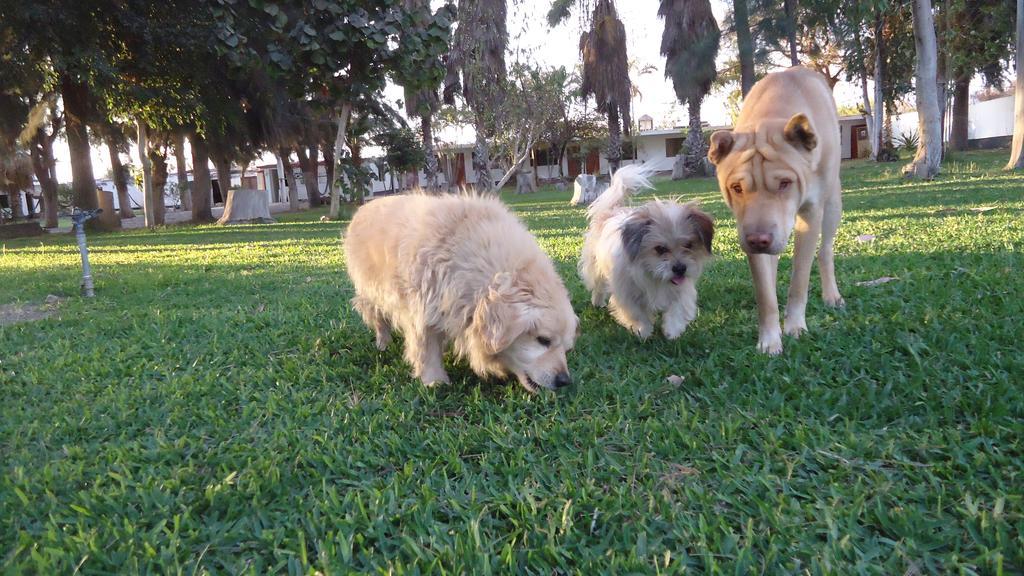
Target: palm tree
(744, 43)
(606, 74)
(424, 103)
(476, 67)
(690, 45)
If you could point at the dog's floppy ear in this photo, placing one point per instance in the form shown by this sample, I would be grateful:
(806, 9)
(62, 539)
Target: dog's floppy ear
(498, 317)
(633, 231)
(705, 226)
(721, 144)
(799, 133)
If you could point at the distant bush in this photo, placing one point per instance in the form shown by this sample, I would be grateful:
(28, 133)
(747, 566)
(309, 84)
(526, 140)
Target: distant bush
(908, 140)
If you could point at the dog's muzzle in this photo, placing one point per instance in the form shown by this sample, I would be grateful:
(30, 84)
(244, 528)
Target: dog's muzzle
(678, 273)
(759, 243)
(562, 379)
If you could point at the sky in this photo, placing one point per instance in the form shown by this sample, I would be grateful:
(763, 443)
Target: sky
(529, 32)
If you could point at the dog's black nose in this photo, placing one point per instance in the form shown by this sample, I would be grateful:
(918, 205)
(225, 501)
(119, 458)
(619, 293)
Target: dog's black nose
(679, 269)
(562, 380)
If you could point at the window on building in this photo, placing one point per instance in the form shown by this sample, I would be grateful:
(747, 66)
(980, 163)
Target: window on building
(542, 157)
(673, 146)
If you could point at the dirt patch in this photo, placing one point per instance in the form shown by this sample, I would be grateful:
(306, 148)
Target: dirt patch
(30, 312)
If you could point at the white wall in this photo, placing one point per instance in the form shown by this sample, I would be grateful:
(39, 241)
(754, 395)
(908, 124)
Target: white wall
(990, 119)
(845, 134)
(650, 149)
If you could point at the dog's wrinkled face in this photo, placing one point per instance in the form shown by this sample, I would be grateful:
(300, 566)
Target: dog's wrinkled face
(526, 331)
(763, 176)
(670, 242)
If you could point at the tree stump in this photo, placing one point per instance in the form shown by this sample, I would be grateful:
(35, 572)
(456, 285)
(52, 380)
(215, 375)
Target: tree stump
(525, 183)
(246, 206)
(110, 219)
(585, 190)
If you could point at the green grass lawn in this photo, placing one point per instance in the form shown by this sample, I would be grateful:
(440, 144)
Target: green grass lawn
(219, 408)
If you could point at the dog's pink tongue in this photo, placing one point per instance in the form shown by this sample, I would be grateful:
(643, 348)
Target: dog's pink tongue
(677, 280)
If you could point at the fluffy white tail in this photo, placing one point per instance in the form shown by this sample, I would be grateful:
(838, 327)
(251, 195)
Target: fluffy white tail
(627, 180)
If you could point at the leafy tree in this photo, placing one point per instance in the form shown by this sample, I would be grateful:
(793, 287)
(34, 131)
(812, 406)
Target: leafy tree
(532, 99)
(976, 37)
(340, 51)
(690, 45)
(75, 41)
(571, 122)
(402, 151)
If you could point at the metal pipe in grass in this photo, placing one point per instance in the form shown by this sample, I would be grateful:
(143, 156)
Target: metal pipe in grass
(79, 217)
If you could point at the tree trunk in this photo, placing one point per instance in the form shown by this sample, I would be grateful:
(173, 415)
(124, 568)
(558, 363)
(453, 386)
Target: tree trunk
(482, 161)
(1017, 149)
(328, 152)
(430, 167)
(14, 199)
(356, 147)
(289, 178)
(148, 201)
(694, 158)
(184, 187)
(223, 165)
(202, 188)
(120, 180)
(929, 149)
(878, 143)
(340, 137)
(314, 166)
(309, 174)
(76, 109)
(790, 8)
(42, 160)
(158, 165)
(958, 130)
(869, 116)
(745, 44)
(614, 139)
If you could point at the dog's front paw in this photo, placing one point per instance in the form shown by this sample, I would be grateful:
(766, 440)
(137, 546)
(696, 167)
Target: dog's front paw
(672, 332)
(643, 330)
(383, 340)
(834, 301)
(770, 343)
(795, 327)
(431, 378)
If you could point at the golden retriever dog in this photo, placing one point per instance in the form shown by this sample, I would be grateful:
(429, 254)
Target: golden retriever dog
(778, 167)
(647, 259)
(460, 270)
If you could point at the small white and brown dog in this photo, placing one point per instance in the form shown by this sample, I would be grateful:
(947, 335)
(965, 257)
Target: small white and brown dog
(647, 258)
(461, 270)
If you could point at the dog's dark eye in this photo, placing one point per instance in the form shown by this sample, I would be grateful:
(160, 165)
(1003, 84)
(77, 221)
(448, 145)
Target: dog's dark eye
(737, 189)
(661, 250)
(545, 342)
(688, 245)
(784, 184)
